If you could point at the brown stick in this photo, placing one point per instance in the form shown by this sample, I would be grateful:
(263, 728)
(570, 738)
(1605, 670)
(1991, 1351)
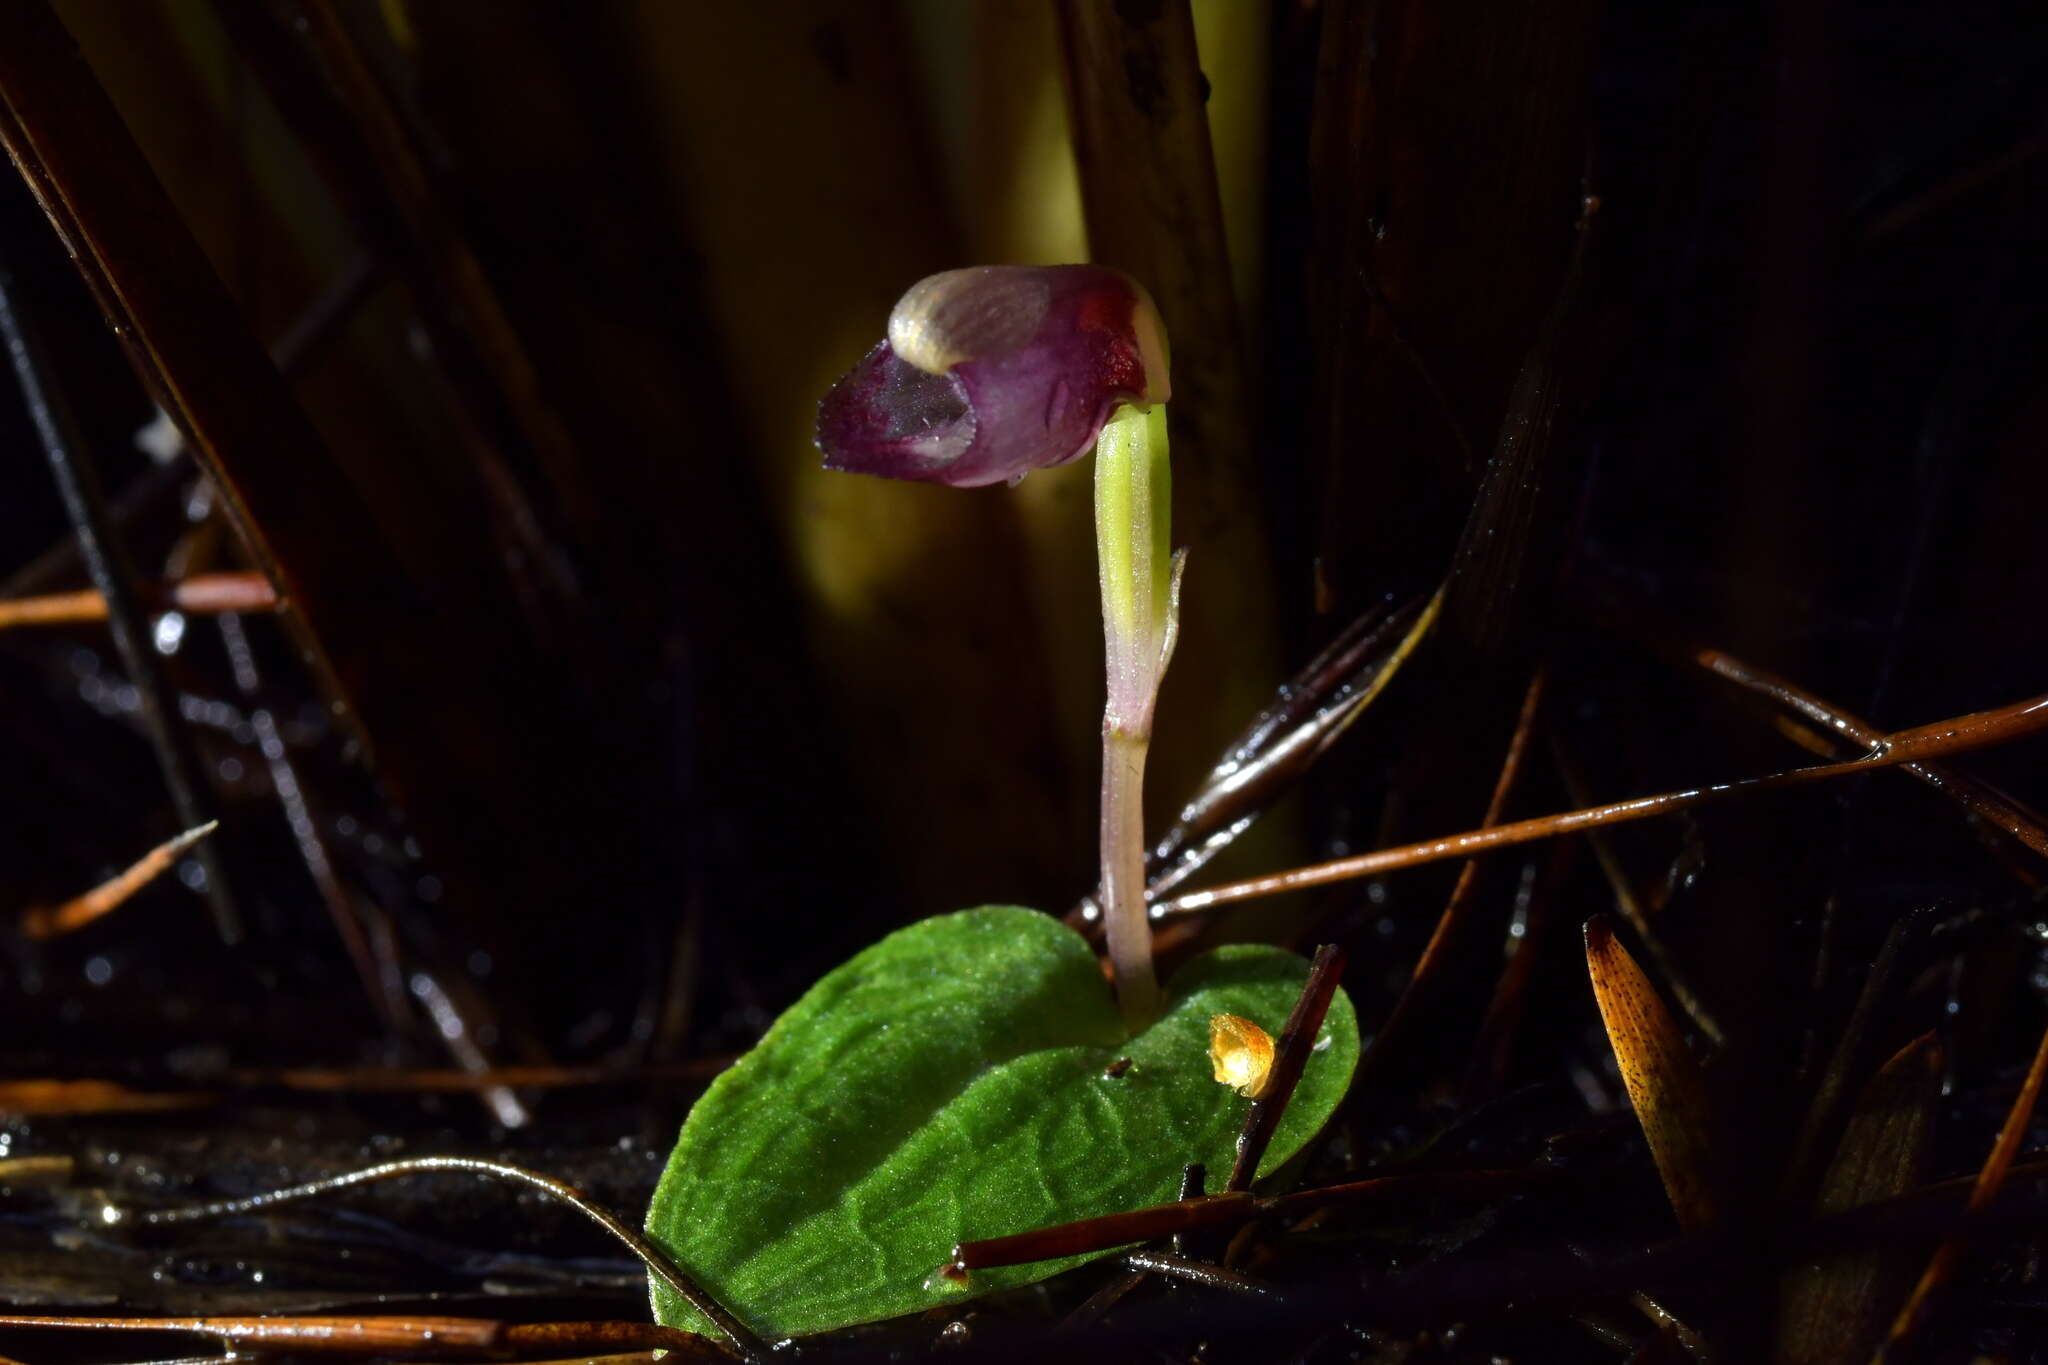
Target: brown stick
(1990, 1181)
(1297, 1040)
(1985, 802)
(1980, 799)
(48, 921)
(433, 1080)
(1635, 906)
(1486, 1070)
(347, 1336)
(1977, 730)
(1464, 893)
(92, 1097)
(567, 1338)
(1199, 1272)
(204, 594)
(1085, 1235)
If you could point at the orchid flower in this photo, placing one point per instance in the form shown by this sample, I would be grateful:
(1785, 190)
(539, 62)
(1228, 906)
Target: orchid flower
(989, 373)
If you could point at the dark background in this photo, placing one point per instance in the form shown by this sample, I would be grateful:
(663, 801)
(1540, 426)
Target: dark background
(625, 721)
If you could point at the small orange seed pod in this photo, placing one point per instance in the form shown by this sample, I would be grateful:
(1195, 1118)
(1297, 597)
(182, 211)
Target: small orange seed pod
(1241, 1052)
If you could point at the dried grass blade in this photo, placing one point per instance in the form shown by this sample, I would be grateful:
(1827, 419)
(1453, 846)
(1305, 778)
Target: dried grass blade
(1284, 742)
(1664, 1081)
(354, 594)
(54, 609)
(202, 594)
(1849, 1061)
(1201, 1273)
(434, 1080)
(435, 255)
(614, 1338)
(36, 1172)
(71, 1097)
(322, 1335)
(1834, 1309)
(48, 921)
(1464, 893)
(1990, 1180)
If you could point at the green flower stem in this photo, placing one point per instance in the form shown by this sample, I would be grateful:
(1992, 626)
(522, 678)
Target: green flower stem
(1140, 609)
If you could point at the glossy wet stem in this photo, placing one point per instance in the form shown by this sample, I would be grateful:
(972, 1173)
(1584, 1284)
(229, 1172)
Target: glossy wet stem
(1974, 731)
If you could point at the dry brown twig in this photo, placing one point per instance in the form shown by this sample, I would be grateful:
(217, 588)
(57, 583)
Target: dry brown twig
(206, 594)
(48, 921)
(1955, 735)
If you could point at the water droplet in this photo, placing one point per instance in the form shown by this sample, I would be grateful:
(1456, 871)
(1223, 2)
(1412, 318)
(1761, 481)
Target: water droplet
(949, 1278)
(170, 632)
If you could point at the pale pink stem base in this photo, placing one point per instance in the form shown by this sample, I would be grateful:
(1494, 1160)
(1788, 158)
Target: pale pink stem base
(1123, 874)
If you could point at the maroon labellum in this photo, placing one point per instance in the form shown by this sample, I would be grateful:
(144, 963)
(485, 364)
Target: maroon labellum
(991, 372)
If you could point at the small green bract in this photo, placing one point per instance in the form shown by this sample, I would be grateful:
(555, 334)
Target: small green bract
(950, 1083)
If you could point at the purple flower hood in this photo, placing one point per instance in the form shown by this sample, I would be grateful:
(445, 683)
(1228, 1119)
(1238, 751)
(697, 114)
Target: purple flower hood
(991, 372)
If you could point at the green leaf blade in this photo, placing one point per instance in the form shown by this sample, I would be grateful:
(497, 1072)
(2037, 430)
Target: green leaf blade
(950, 1083)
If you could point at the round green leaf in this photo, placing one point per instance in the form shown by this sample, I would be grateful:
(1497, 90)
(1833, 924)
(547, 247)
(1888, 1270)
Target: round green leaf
(951, 1083)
